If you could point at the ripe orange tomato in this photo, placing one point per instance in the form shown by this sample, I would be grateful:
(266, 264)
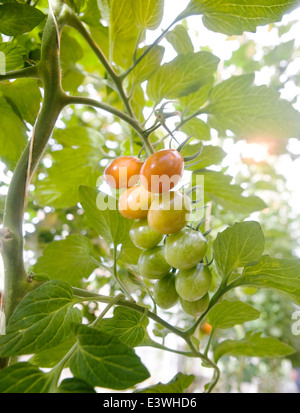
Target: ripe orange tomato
(162, 170)
(134, 202)
(123, 172)
(206, 328)
(169, 212)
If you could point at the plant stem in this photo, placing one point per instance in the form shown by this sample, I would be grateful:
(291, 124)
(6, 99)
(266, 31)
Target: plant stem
(128, 304)
(81, 100)
(31, 71)
(113, 302)
(73, 21)
(155, 43)
(15, 284)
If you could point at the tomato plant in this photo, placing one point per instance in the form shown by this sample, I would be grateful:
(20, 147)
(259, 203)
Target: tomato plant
(184, 249)
(193, 284)
(197, 307)
(145, 193)
(152, 263)
(123, 172)
(169, 212)
(135, 202)
(164, 292)
(162, 170)
(143, 236)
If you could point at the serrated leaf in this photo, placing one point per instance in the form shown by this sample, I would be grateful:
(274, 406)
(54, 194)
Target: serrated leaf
(126, 325)
(236, 16)
(238, 246)
(148, 13)
(227, 314)
(183, 75)
(253, 346)
(103, 360)
(17, 19)
(180, 40)
(41, 320)
(14, 55)
(282, 275)
(71, 259)
(218, 188)
(178, 384)
(23, 377)
(13, 137)
(250, 111)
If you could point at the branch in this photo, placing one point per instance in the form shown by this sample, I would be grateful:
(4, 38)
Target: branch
(73, 21)
(16, 284)
(155, 43)
(80, 100)
(31, 71)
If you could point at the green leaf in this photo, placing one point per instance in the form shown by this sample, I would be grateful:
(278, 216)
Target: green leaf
(227, 314)
(24, 95)
(126, 325)
(250, 111)
(283, 51)
(42, 320)
(148, 13)
(149, 64)
(123, 32)
(13, 137)
(183, 75)
(236, 16)
(17, 19)
(210, 155)
(180, 40)
(14, 56)
(103, 360)
(282, 275)
(103, 215)
(23, 377)
(51, 356)
(74, 385)
(178, 384)
(191, 103)
(198, 128)
(253, 346)
(71, 259)
(218, 188)
(238, 246)
(76, 164)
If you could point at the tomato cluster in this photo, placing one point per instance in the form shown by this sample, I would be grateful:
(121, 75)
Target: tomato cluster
(172, 252)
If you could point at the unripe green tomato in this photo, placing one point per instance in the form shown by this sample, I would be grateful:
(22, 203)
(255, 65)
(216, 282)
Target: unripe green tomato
(164, 293)
(169, 212)
(193, 284)
(152, 263)
(143, 236)
(195, 308)
(185, 249)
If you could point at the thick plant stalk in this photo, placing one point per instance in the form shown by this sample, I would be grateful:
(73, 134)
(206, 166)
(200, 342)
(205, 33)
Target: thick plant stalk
(15, 277)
